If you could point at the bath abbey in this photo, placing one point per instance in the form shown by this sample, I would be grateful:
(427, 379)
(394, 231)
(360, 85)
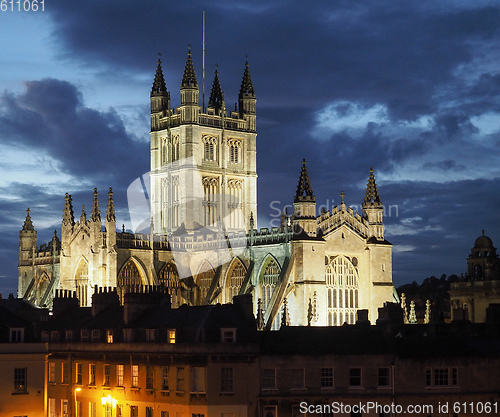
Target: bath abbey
(199, 240)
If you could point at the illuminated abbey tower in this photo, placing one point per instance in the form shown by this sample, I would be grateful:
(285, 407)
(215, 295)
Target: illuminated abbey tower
(201, 242)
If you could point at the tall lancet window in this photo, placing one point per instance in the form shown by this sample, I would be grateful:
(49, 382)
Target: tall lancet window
(234, 151)
(268, 283)
(342, 284)
(210, 148)
(82, 283)
(175, 148)
(235, 280)
(128, 278)
(234, 215)
(166, 203)
(169, 278)
(175, 203)
(210, 201)
(164, 151)
(203, 283)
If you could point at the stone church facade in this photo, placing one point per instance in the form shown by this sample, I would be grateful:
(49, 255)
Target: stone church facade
(202, 244)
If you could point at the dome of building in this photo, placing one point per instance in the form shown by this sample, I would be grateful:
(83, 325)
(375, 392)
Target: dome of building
(483, 242)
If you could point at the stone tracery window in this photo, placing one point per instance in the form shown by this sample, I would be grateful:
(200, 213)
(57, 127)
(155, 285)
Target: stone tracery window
(175, 148)
(234, 219)
(235, 280)
(342, 285)
(129, 276)
(169, 278)
(210, 148)
(234, 151)
(210, 201)
(41, 288)
(82, 283)
(204, 281)
(268, 283)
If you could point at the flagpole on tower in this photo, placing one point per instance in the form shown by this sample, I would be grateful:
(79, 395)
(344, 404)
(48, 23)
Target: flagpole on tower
(203, 95)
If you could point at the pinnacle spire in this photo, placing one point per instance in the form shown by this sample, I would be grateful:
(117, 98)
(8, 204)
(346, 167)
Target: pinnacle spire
(83, 216)
(110, 210)
(371, 195)
(95, 215)
(159, 86)
(68, 215)
(304, 189)
(216, 96)
(28, 224)
(189, 78)
(246, 89)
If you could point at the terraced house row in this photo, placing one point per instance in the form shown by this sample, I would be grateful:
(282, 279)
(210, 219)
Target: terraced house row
(143, 358)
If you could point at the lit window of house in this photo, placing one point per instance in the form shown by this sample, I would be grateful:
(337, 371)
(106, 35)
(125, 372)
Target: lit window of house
(135, 376)
(119, 375)
(92, 368)
(109, 336)
(64, 408)
(79, 373)
(171, 336)
(107, 375)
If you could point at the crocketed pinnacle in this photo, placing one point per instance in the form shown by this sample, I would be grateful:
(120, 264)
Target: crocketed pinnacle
(246, 89)
(110, 210)
(68, 215)
(216, 97)
(28, 224)
(304, 189)
(189, 78)
(159, 86)
(371, 195)
(95, 215)
(83, 216)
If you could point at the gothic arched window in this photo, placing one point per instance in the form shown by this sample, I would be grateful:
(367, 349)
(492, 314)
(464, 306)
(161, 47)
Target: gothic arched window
(235, 280)
(234, 218)
(129, 277)
(204, 281)
(234, 151)
(210, 148)
(342, 286)
(82, 283)
(211, 193)
(175, 148)
(268, 283)
(169, 278)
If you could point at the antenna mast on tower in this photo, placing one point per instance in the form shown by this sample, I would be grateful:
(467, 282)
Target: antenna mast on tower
(203, 64)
